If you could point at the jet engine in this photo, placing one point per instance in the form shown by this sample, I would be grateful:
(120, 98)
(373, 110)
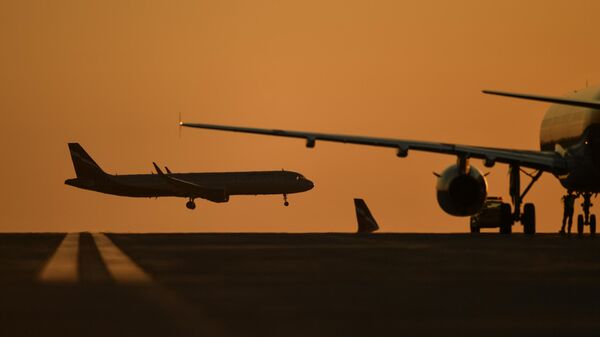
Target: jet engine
(461, 190)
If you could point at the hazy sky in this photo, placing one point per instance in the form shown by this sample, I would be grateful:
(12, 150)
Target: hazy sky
(113, 75)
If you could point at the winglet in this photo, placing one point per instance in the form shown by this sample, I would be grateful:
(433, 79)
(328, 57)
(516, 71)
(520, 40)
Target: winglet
(168, 171)
(158, 170)
(366, 222)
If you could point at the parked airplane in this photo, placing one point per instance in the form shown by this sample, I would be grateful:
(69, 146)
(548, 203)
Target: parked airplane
(570, 150)
(216, 187)
(365, 221)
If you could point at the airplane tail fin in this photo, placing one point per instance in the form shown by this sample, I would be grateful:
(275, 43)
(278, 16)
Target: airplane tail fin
(85, 166)
(366, 222)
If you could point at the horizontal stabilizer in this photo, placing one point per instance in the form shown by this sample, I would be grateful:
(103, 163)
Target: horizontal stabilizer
(366, 222)
(555, 100)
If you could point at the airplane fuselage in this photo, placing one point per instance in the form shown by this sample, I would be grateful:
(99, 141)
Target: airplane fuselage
(574, 132)
(232, 183)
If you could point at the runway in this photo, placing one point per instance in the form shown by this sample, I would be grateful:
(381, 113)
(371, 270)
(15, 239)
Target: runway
(93, 284)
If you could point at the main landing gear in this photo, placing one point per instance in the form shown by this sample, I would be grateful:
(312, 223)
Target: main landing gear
(285, 201)
(190, 204)
(586, 219)
(527, 218)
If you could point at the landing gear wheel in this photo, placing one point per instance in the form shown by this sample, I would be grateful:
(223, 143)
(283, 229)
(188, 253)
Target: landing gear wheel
(285, 202)
(190, 204)
(528, 219)
(579, 224)
(505, 219)
(587, 217)
(473, 224)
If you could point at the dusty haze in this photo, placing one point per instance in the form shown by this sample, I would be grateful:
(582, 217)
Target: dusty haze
(113, 75)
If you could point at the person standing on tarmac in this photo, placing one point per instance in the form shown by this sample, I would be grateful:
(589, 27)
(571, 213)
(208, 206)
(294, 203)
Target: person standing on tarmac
(569, 207)
(586, 205)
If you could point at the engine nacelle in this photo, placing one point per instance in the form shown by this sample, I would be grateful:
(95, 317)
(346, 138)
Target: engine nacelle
(461, 193)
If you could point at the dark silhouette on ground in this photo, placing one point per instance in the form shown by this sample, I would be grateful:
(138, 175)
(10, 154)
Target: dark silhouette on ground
(568, 201)
(296, 285)
(364, 218)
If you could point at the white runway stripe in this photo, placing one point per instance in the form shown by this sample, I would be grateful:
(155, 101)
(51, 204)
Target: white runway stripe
(63, 265)
(119, 265)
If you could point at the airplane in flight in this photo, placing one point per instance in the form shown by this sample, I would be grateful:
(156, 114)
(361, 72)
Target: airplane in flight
(570, 150)
(215, 187)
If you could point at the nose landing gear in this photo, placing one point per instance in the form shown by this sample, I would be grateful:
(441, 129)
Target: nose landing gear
(190, 204)
(586, 219)
(285, 201)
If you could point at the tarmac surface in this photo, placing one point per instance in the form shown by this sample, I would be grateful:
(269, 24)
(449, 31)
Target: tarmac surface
(84, 284)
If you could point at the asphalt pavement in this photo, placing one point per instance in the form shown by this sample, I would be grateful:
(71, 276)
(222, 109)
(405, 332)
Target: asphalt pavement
(93, 284)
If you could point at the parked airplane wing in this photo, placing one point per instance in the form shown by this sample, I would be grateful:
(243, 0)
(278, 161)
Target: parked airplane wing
(555, 100)
(539, 160)
(191, 189)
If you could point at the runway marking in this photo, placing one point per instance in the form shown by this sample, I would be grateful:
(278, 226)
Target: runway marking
(120, 266)
(63, 266)
(188, 320)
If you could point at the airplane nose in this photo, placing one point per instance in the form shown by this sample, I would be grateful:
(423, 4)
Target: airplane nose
(310, 184)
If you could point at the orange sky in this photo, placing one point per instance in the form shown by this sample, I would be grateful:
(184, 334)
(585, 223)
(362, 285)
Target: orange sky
(113, 75)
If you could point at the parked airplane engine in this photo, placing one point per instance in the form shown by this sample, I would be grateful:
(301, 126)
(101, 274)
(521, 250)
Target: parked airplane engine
(461, 193)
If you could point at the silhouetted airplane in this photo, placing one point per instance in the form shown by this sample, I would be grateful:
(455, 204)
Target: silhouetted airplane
(570, 150)
(216, 187)
(365, 220)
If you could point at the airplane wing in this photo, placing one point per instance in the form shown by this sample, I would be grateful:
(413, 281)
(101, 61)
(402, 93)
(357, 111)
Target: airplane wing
(540, 160)
(191, 189)
(548, 99)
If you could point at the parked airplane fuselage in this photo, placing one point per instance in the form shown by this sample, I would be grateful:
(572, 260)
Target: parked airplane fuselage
(575, 132)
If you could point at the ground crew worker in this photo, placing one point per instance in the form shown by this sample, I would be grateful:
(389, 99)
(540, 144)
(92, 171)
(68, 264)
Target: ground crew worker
(586, 205)
(569, 207)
